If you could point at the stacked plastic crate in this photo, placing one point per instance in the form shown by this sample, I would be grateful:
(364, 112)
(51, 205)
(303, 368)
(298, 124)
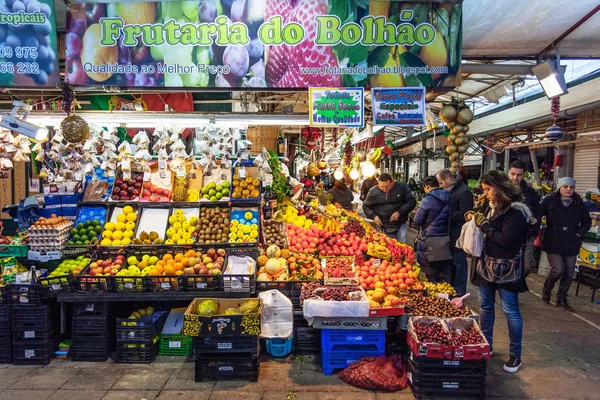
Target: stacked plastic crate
(227, 358)
(34, 339)
(138, 338)
(341, 347)
(90, 333)
(5, 335)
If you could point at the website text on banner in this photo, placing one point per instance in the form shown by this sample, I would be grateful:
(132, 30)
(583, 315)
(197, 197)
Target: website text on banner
(265, 43)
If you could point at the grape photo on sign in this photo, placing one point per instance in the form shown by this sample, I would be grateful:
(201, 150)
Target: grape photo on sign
(264, 44)
(28, 43)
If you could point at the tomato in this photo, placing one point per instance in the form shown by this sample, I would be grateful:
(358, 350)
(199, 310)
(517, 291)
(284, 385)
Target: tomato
(409, 281)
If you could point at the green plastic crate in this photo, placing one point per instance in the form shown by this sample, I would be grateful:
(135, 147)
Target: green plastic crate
(13, 250)
(175, 345)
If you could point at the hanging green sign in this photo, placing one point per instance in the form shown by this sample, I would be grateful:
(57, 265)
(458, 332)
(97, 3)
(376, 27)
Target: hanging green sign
(336, 107)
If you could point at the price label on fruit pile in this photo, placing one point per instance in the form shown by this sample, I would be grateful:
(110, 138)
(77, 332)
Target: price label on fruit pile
(28, 56)
(398, 106)
(225, 43)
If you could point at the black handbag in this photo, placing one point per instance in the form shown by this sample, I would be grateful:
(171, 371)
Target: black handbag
(501, 271)
(437, 248)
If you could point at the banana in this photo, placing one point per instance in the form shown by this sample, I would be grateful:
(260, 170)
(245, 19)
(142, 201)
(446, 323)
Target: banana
(376, 155)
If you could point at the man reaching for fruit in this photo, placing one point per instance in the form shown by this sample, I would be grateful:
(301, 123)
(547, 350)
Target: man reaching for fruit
(388, 205)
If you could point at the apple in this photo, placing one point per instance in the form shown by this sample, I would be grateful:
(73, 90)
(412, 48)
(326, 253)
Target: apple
(107, 270)
(203, 271)
(189, 271)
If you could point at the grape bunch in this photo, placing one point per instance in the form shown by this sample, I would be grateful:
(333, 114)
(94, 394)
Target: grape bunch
(433, 333)
(469, 336)
(354, 226)
(34, 38)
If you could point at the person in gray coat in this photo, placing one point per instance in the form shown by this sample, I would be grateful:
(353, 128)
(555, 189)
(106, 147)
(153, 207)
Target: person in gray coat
(388, 205)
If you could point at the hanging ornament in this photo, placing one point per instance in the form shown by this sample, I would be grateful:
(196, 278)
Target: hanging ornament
(555, 132)
(348, 150)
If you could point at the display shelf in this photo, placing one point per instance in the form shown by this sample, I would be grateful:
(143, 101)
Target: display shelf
(147, 296)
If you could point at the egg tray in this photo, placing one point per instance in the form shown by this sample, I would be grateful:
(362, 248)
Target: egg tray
(64, 227)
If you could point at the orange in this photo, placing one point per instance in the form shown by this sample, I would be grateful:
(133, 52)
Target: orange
(154, 272)
(171, 262)
(190, 253)
(178, 266)
(169, 270)
(167, 257)
(159, 269)
(255, 183)
(161, 263)
(185, 261)
(178, 257)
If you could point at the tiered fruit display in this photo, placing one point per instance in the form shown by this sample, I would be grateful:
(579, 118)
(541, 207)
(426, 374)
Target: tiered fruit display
(155, 194)
(457, 116)
(244, 226)
(85, 233)
(213, 225)
(214, 192)
(434, 289)
(181, 230)
(274, 233)
(389, 275)
(120, 233)
(275, 266)
(106, 267)
(245, 188)
(66, 267)
(128, 190)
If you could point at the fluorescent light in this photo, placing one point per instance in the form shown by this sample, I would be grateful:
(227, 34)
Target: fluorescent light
(551, 78)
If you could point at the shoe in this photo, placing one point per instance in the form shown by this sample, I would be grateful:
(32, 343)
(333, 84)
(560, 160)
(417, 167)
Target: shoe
(546, 299)
(564, 305)
(513, 364)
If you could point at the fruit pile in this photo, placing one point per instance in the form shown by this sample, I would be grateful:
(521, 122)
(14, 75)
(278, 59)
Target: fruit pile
(326, 244)
(106, 267)
(210, 262)
(154, 193)
(214, 192)
(181, 231)
(385, 298)
(304, 267)
(433, 333)
(308, 291)
(433, 289)
(147, 238)
(244, 226)
(434, 306)
(141, 267)
(66, 267)
(85, 233)
(389, 275)
(465, 337)
(213, 225)
(340, 267)
(139, 314)
(346, 293)
(246, 188)
(273, 233)
(354, 226)
(121, 232)
(129, 190)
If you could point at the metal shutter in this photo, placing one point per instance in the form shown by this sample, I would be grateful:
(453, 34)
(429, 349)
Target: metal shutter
(585, 169)
(434, 166)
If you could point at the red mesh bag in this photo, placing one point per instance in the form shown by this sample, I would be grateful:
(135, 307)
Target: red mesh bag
(376, 373)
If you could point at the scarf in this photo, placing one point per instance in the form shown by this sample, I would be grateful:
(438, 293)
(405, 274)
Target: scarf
(566, 201)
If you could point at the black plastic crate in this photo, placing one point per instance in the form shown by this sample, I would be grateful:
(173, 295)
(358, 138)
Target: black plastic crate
(442, 366)
(25, 295)
(52, 287)
(201, 283)
(90, 310)
(95, 284)
(228, 376)
(89, 327)
(31, 318)
(295, 290)
(6, 354)
(240, 284)
(165, 283)
(225, 344)
(307, 340)
(4, 313)
(84, 349)
(143, 330)
(143, 355)
(283, 287)
(217, 363)
(28, 335)
(3, 295)
(130, 284)
(35, 352)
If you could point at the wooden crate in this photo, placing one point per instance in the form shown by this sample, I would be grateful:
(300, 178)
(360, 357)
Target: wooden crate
(262, 136)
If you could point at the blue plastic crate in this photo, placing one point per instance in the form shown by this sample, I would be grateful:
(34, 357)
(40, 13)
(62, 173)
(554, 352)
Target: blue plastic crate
(333, 338)
(344, 356)
(279, 347)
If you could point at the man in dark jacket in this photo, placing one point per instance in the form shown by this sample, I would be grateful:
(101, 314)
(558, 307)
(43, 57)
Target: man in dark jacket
(532, 201)
(567, 222)
(462, 202)
(433, 218)
(388, 205)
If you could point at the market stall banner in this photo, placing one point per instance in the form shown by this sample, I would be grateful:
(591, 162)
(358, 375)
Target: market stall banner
(264, 43)
(28, 44)
(337, 107)
(398, 106)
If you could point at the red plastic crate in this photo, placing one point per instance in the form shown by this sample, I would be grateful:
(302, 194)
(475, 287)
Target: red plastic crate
(429, 350)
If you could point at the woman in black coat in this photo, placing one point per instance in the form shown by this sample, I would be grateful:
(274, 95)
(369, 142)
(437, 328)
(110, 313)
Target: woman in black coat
(567, 222)
(504, 226)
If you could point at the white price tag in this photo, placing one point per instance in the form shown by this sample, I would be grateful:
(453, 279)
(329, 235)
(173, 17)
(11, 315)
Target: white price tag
(106, 135)
(23, 299)
(236, 285)
(162, 164)
(162, 174)
(201, 285)
(174, 345)
(146, 176)
(29, 353)
(29, 334)
(89, 307)
(165, 285)
(376, 262)
(55, 286)
(128, 285)
(242, 172)
(126, 175)
(181, 172)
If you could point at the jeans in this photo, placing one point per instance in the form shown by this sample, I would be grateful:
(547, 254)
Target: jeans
(460, 270)
(400, 235)
(563, 268)
(510, 306)
(529, 255)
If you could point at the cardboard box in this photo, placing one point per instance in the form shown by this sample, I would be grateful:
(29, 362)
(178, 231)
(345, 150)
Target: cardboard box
(428, 350)
(222, 325)
(589, 253)
(471, 351)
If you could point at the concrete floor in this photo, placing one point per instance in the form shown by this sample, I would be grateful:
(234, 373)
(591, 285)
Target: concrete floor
(561, 360)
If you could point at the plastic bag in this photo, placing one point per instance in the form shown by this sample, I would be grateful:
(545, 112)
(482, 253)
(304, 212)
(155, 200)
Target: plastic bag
(376, 373)
(471, 239)
(278, 315)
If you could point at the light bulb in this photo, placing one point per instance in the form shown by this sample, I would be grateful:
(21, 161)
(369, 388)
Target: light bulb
(338, 174)
(354, 174)
(368, 169)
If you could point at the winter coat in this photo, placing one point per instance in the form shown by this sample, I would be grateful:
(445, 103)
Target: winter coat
(366, 186)
(531, 200)
(343, 197)
(433, 214)
(504, 237)
(383, 205)
(565, 226)
(462, 202)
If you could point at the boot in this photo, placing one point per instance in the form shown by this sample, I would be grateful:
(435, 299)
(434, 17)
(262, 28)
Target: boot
(564, 305)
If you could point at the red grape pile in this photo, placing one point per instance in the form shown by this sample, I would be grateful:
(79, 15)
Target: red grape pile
(353, 226)
(308, 290)
(347, 293)
(466, 337)
(433, 333)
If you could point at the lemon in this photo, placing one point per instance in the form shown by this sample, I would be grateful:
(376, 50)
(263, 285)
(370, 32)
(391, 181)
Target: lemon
(232, 236)
(177, 226)
(130, 226)
(132, 260)
(153, 260)
(170, 232)
(110, 226)
(169, 241)
(107, 235)
(121, 218)
(172, 219)
(234, 229)
(128, 234)
(116, 242)
(145, 271)
(240, 234)
(131, 217)
(254, 234)
(248, 215)
(181, 219)
(178, 213)
(126, 241)
(117, 235)
(193, 221)
(254, 227)
(105, 242)
(142, 264)
(127, 210)
(246, 229)
(186, 235)
(191, 229)
(186, 225)
(120, 226)
(181, 241)
(145, 257)
(175, 238)
(189, 241)
(234, 222)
